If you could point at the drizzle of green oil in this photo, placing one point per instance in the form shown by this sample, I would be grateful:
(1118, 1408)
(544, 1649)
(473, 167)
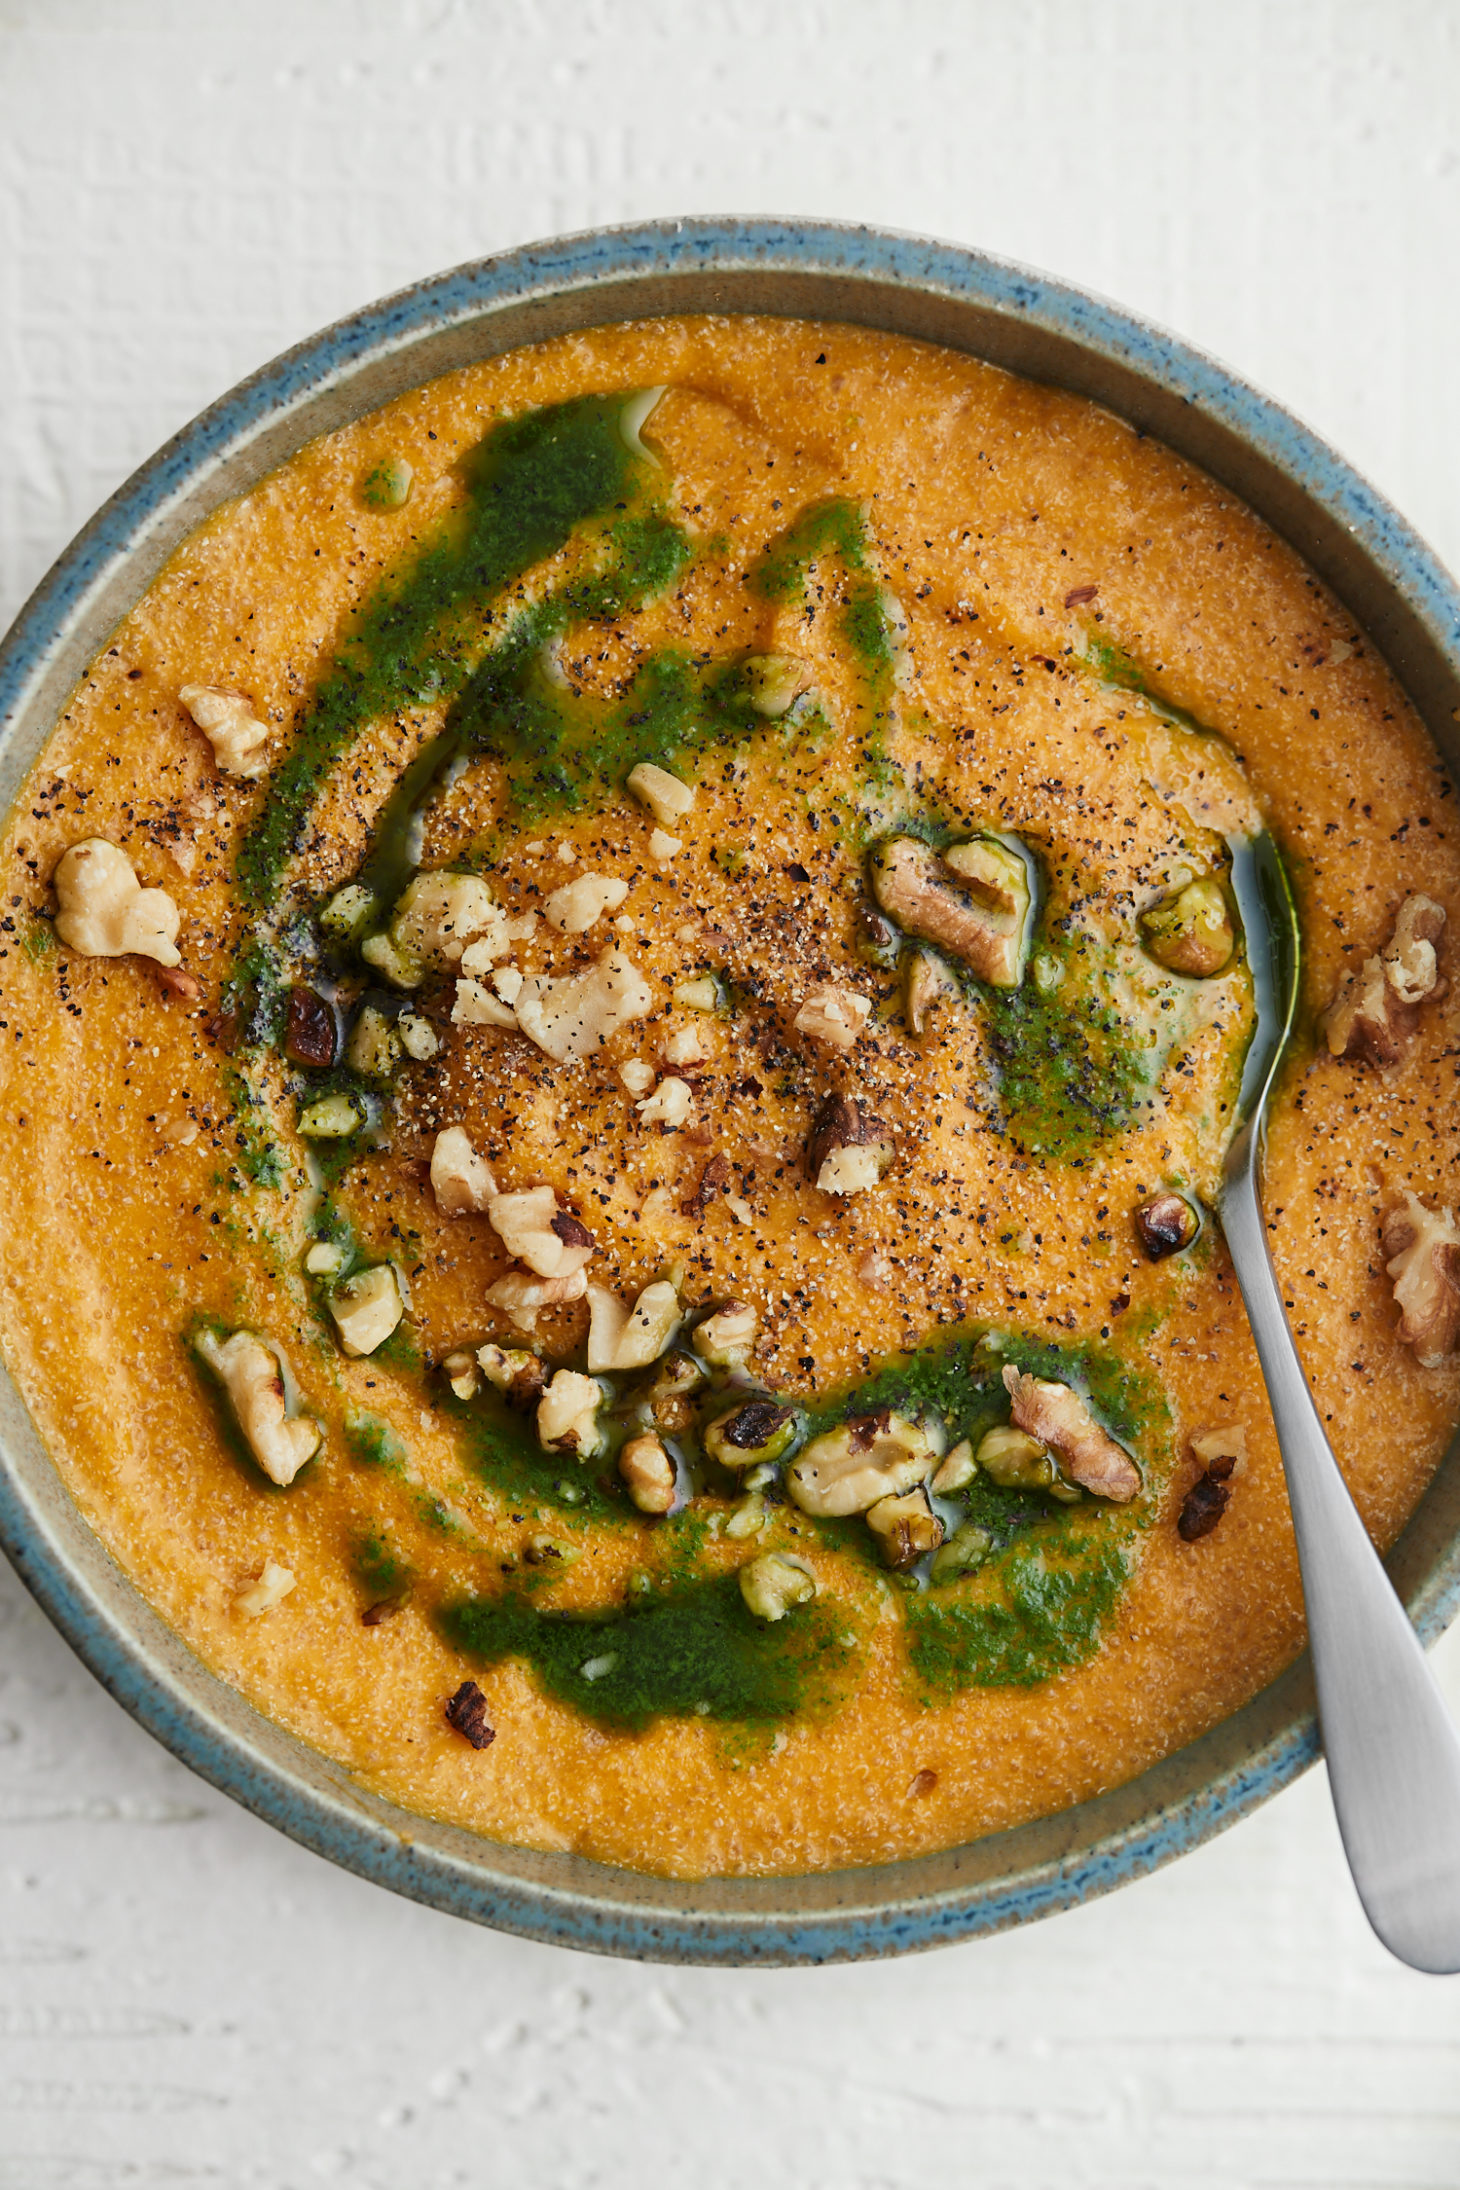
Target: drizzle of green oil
(1072, 1070)
(1040, 1610)
(372, 1441)
(382, 1571)
(1042, 1602)
(530, 483)
(694, 1653)
(502, 1448)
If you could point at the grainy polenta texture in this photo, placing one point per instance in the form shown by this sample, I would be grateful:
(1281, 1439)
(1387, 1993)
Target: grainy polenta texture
(1012, 621)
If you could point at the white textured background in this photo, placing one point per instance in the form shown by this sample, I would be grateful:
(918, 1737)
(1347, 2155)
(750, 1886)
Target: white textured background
(185, 187)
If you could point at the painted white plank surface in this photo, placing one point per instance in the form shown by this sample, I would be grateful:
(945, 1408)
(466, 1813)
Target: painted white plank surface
(186, 186)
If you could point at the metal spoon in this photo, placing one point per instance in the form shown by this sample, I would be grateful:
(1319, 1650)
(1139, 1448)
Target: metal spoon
(1393, 1756)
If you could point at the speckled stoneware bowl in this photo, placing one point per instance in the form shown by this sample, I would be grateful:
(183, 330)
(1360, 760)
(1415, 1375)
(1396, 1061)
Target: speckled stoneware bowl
(1385, 576)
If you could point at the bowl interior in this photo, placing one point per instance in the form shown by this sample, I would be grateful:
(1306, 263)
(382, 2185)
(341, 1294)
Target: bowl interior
(1381, 572)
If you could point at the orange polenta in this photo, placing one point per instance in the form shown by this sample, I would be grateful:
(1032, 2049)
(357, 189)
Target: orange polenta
(623, 996)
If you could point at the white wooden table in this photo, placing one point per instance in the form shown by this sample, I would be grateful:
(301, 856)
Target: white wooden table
(185, 187)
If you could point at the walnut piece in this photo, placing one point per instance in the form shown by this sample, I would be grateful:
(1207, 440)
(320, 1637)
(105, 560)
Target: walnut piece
(665, 796)
(435, 918)
(1374, 1013)
(671, 1104)
(251, 1376)
(929, 983)
(774, 1584)
(725, 1338)
(574, 908)
(1057, 1416)
(905, 1526)
(521, 1294)
(648, 1473)
(460, 1179)
(848, 1469)
(476, 1006)
(230, 726)
(272, 1587)
(1422, 1251)
(533, 1229)
(630, 1338)
(974, 900)
(567, 1415)
(833, 1015)
(574, 1016)
(105, 912)
(519, 1376)
(848, 1150)
(366, 1309)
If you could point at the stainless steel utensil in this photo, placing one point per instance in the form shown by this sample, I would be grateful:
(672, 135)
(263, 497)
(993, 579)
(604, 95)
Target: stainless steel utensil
(1393, 1754)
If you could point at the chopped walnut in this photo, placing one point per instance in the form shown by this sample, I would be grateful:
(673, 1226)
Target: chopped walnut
(518, 1375)
(774, 682)
(467, 1712)
(663, 847)
(533, 1229)
(258, 1597)
(434, 921)
(928, 983)
(848, 1469)
(460, 1178)
(1374, 1012)
(684, 1046)
(366, 1309)
(574, 908)
(648, 1473)
(575, 1016)
(106, 913)
(671, 1104)
(833, 1015)
(638, 1076)
(974, 901)
(1057, 1416)
(521, 1294)
(251, 1375)
(725, 1338)
(905, 1526)
(665, 796)
(476, 1006)
(849, 1150)
(567, 1415)
(230, 726)
(630, 1338)
(460, 1371)
(1220, 1450)
(1422, 1250)
(1166, 1225)
(774, 1584)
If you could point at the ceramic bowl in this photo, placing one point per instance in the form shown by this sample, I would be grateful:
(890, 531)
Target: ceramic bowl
(1383, 574)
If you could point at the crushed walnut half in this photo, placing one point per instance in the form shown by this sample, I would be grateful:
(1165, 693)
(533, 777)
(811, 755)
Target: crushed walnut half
(1422, 1251)
(105, 912)
(252, 1378)
(1058, 1417)
(231, 727)
(833, 1015)
(1373, 1015)
(848, 1150)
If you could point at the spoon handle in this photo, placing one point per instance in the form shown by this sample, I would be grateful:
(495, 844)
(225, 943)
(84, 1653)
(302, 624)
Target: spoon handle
(1393, 1755)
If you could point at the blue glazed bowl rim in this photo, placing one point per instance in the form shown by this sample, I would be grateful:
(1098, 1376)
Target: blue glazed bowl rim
(365, 1840)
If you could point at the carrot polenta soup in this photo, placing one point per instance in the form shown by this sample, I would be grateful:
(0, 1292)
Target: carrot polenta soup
(622, 999)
